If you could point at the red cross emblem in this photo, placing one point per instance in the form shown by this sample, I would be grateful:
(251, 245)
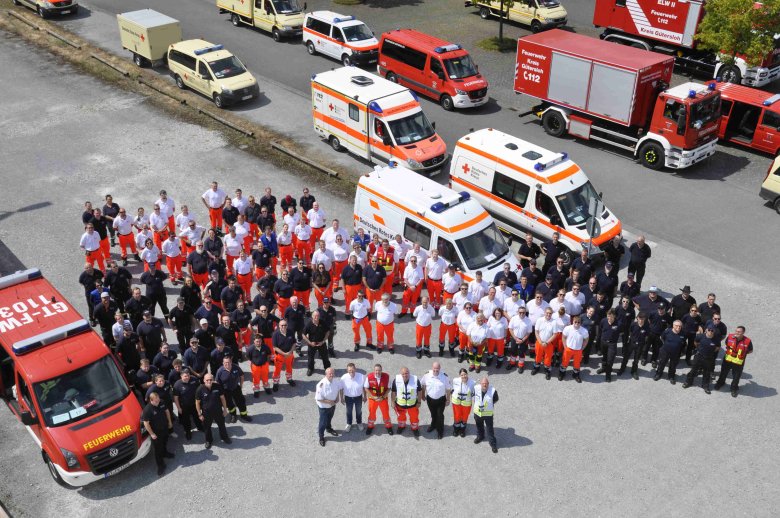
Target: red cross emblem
(143, 38)
(330, 106)
(466, 169)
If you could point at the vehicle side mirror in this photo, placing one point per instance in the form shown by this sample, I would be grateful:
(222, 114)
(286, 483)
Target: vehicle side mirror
(27, 418)
(387, 141)
(555, 220)
(509, 241)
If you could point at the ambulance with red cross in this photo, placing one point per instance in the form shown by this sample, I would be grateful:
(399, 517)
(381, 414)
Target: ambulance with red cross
(375, 119)
(527, 188)
(64, 384)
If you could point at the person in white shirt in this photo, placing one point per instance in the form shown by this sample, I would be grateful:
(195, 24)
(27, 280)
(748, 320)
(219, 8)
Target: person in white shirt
(478, 337)
(119, 326)
(159, 225)
(462, 297)
(190, 235)
(503, 292)
(316, 218)
(303, 247)
(462, 395)
(385, 323)
(561, 321)
(140, 220)
(413, 277)
(545, 329)
(322, 256)
(90, 245)
(244, 233)
(242, 267)
(124, 228)
(286, 248)
(360, 254)
(419, 253)
(239, 202)
(359, 309)
(353, 396)
(183, 219)
(559, 301)
(511, 304)
(291, 217)
(436, 390)
(575, 337)
(334, 230)
(478, 288)
(150, 254)
(451, 281)
(214, 201)
(520, 328)
(423, 316)
(489, 303)
(497, 324)
(340, 251)
(448, 328)
(143, 235)
(400, 249)
(167, 209)
(465, 318)
(326, 395)
(536, 307)
(575, 300)
(435, 267)
(171, 249)
(233, 247)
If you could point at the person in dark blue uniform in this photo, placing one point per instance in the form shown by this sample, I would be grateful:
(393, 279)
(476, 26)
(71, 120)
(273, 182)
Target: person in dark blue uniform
(609, 333)
(231, 378)
(212, 408)
(706, 347)
(672, 343)
(184, 391)
(157, 422)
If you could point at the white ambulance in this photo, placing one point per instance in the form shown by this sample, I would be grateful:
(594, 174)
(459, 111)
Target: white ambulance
(374, 119)
(340, 37)
(394, 200)
(528, 188)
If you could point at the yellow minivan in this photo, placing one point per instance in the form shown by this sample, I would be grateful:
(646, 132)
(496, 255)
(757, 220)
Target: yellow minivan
(212, 71)
(770, 189)
(537, 14)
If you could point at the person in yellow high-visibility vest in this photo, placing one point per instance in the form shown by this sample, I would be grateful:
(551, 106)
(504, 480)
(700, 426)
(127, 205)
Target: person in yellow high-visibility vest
(462, 396)
(485, 398)
(406, 400)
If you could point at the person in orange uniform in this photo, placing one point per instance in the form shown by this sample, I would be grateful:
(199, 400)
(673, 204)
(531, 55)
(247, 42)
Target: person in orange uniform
(316, 218)
(435, 267)
(377, 391)
(385, 255)
(171, 249)
(448, 327)
(423, 316)
(90, 245)
(285, 242)
(575, 338)
(233, 247)
(465, 318)
(406, 401)
(340, 250)
(259, 355)
(159, 225)
(284, 354)
(413, 277)
(214, 201)
(738, 346)
(242, 267)
(360, 310)
(123, 226)
(303, 246)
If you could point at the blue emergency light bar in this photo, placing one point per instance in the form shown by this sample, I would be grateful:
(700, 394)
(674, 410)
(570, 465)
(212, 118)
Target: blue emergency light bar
(464, 196)
(772, 100)
(374, 107)
(447, 48)
(343, 19)
(55, 335)
(20, 277)
(206, 50)
(438, 207)
(711, 86)
(692, 94)
(541, 166)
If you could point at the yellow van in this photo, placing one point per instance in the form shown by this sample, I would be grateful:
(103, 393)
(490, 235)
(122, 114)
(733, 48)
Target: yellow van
(212, 71)
(537, 14)
(770, 189)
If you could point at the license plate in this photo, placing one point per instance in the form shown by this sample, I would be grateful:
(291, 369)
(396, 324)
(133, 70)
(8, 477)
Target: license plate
(246, 97)
(115, 471)
(66, 11)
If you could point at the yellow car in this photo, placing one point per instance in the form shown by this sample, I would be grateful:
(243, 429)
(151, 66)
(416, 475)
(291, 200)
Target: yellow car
(770, 189)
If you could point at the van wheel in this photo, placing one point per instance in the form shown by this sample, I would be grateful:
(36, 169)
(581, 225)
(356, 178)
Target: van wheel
(776, 205)
(276, 36)
(42, 13)
(346, 61)
(218, 102)
(554, 123)
(536, 26)
(651, 154)
(53, 471)
(310, 48)
(391, 77)
(484, 13)
(235, 20)
(446, 102)
(335, 143)
(731, 74)
(138, 60)
(180, 82)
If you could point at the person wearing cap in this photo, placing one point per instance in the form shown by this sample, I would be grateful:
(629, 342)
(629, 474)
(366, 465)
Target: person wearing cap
(287, 203)
(547, 288)
(534, 275)
(485, 398)
(301, 280)
(451, 282)
(212, 408)
(315, 334)
(692, 325)
(123, 226)
(95, 296)
(374, 277)
(658, 321)
(196, 357)
(423, 316)
(681, 303)
(435, 267)
(609, 334)
(360, 311)
(466, 317)
(638, 335)
(104, 315)
(205, 336)
(649, 302)
(672, 343)
(351, 279)
(157, 422)
(706, 348)
(551, 249)
(629, 288)
(184, 391)
(528, 250)
(164, 360)
(520, 328)
(639, 253)
(738, 346)
(283, 290)
(259, 355)
(316, 218)
(448, 327)
(90, 245)
(283, 343)
(151, 331)
(574, 338)
(385, 323)
(607, 281)
(328, 315)
(559, 273)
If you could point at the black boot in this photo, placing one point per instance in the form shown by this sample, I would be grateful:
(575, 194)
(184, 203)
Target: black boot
(331, 352)
(460, 357)
(535, 370)
(499, 363)
(441, 350)
(561, 375)
(548, 375)
(452, 351)
(577, 377)
(488, 361)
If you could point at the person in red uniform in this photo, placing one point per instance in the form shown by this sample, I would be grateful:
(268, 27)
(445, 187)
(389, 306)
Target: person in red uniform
(385, 256)
(738, 346)
(377, 388)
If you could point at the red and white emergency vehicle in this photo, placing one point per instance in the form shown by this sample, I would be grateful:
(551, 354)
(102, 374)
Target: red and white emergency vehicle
(623, 98)
(64, 385)
(750, 118)
(374, 119)
(669, 27)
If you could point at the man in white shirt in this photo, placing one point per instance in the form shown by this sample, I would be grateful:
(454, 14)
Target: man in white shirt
(575, 337)
(214, 201)
(353, 396)
(171, 249)
(190, 235)
(451, 281)
(242, 267)
(503, 292)
(316, 218)
(575, 300)
(327, 395)
(303, 246)
(478, 337)
(545, 329)
(413, 277)
(90, 245)
(140, 220)
(239, 202)
(465, 318)
(436, 389)
(359, 309)
(419, 253)
(478, 288)
(358, 252)
(124, 228)
(511, 304)
(167, 209)
(423, 316)
(448, 329)
(520, 328)
(400, 249)
(159, 225)
(322, 256)
(143, 235)
(385, 323)
(233, 247)
(462, 297)
(334, 230)
(183, 218)
(435, 267)
(489, 303)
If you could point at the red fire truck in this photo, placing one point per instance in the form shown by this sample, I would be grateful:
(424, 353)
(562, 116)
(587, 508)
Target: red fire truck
(64, 385)
(619, 98)
(668, 27)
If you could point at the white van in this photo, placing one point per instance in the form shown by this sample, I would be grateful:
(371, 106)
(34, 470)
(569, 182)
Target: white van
(395, 200)
(528, 188)
(341, 37)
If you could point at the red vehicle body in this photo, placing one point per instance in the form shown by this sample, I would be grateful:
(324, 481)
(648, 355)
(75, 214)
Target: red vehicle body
(668, 27)
(433, 67)
(750, 118)
(64, 385)
(620, 98)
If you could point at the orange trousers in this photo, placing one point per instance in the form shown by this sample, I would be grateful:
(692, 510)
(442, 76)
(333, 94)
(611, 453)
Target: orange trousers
(383, 407)
(105, 247)
(303, 297)
(414, 417)
(174, 267)
(422, 336)
(230, 259)
(338, 267)
(215, 217)
(201, 279)
(366, 329)
(448, 332)
(387, 286)
(410, 298)
(435, 289)
(400, 266)
(327, 292)
(384, 334)
(96, 256)
(282, 303)
(571, 354)
(158, 237)
(557, 342)
(303, 249)
(373, 296)
(496, 345)
(282, 362)
(316, 234)
(127, 241)
(259, 373)
(245, 336)
(544, 353)
(245, 281)
(285, 256)
(350, 294)
(460, 413)
(463, 339)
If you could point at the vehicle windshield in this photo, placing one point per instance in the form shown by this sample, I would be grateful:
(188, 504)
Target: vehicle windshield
(705, 111)
(574, 204)
(226, 67)
(81, 393)
(458, 68)
(549, 3)
(411, 129)
(286, 6)
(357, 32)
(483, 249)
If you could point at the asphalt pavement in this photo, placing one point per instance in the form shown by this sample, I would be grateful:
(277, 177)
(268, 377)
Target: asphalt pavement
(592, 449)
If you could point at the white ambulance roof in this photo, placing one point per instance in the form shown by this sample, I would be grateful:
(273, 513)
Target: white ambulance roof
(436, 204)
(682, 91)
(148, 18)
(527, 159)
(335, 18)
(369, 87)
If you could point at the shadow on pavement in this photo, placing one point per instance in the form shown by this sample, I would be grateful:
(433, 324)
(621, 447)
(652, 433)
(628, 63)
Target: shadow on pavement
(9, 263)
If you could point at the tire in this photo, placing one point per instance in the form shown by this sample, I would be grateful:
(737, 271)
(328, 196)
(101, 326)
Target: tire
(218, 102)
(235, 20)
(346, 61)
(484, 13)
(553, 123)
(651, 154)
(53, 471)
(310, 48)
(139, 60)
(776, 205)
(42, 13)
(731, 74)
(391, 77)
(536, 26)
(179, 82)
(446, 102)
(276, 36)
(335, 143)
